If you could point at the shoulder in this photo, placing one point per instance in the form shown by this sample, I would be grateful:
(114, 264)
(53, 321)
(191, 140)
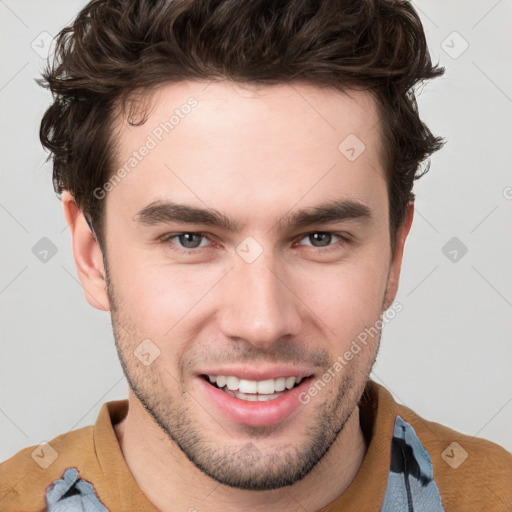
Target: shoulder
(471, 473)
(24, 478)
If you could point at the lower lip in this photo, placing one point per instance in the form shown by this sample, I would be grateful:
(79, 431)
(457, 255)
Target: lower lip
(255, 414)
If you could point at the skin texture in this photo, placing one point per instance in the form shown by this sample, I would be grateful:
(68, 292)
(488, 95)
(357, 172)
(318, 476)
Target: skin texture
(255, 155)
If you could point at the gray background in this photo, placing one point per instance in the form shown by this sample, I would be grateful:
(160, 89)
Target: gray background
(446, 355)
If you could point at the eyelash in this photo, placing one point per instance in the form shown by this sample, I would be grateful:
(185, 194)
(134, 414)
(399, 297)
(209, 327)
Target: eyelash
(343, 236)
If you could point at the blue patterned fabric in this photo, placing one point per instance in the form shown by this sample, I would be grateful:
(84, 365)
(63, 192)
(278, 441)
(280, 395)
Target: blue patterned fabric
(72, 494)
(411, 486)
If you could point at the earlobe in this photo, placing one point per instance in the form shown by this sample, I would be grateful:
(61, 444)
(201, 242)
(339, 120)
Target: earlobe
(396, 262)
(87, 254)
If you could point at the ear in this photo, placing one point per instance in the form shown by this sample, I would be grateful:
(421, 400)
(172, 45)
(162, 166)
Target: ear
(87, 254)
(396, 261)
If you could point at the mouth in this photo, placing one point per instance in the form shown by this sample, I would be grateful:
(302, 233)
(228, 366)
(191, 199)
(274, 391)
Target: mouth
(253, 390)
(254, 403)
(254, 396)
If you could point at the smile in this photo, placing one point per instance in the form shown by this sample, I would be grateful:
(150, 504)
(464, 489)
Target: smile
(251, 402)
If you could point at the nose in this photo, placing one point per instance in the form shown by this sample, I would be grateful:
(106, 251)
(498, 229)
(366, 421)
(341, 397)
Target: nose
(259, 304)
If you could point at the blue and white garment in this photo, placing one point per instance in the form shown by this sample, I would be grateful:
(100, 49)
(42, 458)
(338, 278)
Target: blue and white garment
(72, 494)
(410, 487)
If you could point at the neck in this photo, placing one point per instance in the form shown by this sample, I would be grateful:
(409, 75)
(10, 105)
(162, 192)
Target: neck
(172, 482)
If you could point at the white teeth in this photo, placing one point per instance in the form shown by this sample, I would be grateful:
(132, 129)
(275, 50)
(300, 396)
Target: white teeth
(280, 384)
(246, 386)
(251, 397)
(266, 387)
(267, 398)
(232, 382)
(290, 382)
(261, 387)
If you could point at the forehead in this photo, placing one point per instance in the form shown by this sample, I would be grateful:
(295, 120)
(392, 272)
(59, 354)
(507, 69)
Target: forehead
(236, 147)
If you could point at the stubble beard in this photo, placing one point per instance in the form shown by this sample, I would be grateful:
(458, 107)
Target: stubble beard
(246, 463)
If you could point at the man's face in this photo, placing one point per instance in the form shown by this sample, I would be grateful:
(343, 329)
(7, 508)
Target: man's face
(267, 300)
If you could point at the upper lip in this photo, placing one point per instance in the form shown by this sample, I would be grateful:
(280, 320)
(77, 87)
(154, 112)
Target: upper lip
(252, 373)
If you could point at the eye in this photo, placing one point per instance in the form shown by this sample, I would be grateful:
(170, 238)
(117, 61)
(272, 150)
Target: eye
(321, 239)
(187, 241)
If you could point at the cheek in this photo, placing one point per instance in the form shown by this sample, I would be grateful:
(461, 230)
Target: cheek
(159, 298)
(348, 298)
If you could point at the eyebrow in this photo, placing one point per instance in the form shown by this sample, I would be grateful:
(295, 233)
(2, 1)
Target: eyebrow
(162, 212)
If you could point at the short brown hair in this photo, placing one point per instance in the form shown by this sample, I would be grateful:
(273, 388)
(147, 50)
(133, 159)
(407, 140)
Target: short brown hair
(116, 48)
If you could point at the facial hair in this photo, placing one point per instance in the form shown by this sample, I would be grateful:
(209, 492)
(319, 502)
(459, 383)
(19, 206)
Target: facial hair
(240, 463)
